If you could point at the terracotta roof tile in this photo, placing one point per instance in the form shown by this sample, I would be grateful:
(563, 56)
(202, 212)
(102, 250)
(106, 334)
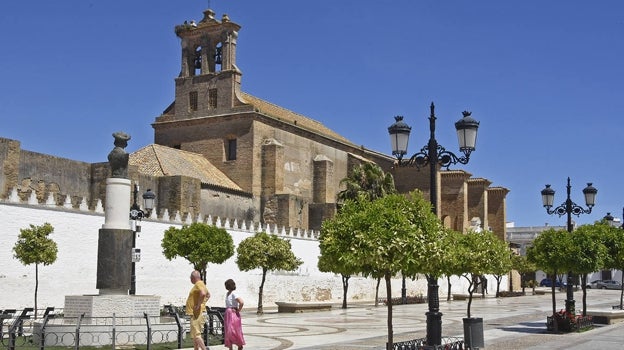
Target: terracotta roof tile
(158, 160)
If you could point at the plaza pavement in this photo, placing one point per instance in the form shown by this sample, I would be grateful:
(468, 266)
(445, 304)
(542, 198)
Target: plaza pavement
(509, 323)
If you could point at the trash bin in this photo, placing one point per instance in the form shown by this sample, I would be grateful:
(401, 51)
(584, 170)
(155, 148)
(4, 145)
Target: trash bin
(473, 332)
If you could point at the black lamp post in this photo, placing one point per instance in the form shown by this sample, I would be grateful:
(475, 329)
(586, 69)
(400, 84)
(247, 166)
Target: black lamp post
(568, 208)
(136, 215)
(433, 155)
(611, 220)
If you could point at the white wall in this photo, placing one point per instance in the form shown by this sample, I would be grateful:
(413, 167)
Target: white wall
(74, 272)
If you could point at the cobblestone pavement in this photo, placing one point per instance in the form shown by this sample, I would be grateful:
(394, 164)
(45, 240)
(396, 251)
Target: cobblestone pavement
(509, 323)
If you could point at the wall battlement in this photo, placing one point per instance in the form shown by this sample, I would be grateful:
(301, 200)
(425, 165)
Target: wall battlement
(166, 217)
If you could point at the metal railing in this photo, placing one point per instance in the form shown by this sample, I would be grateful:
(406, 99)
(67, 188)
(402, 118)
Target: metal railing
(215, 326)
(562, 323)
(448, 343)
(19, 330)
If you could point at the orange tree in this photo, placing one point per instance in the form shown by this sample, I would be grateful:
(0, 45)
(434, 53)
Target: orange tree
(552, 252)
(477, 254)
(267, 252)
(199, 244)
(589, 253)
(390, 235)
(364, 182)
(613, 239)
(35, 247)
(524, 267)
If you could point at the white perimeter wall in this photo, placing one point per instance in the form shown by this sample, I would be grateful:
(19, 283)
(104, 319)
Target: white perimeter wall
(74, 272)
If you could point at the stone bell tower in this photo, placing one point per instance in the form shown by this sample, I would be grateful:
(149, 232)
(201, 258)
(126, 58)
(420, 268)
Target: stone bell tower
(209, 79)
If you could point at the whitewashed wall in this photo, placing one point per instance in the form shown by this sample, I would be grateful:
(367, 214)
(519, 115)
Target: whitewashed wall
(74, 272)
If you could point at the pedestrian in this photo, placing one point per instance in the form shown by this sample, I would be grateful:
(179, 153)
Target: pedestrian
(484, 281)
(196, 307)
(233, 326)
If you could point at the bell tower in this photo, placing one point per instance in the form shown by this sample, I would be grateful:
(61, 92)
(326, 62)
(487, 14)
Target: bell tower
(209, 79)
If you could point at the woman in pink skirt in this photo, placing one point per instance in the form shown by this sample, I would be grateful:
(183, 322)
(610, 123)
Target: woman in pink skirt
(233, 326)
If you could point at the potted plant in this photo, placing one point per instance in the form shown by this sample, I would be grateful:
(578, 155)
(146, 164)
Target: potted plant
(478, 254)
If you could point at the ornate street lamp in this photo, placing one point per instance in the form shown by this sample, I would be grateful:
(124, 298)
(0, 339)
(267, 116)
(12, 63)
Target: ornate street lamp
(568, 208)
(433, 155)
(136, 215)
(611, 220)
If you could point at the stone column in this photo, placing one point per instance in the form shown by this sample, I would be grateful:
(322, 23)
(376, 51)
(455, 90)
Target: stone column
(114, 264)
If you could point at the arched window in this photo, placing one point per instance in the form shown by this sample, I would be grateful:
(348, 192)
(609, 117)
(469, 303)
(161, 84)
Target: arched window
(197, 61)
(218, 57)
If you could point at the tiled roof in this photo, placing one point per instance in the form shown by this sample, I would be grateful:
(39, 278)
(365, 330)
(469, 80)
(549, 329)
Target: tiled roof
(158, 160)
(290, 117)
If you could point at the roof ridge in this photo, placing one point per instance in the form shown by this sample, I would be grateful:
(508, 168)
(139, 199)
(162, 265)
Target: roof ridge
(157, 157)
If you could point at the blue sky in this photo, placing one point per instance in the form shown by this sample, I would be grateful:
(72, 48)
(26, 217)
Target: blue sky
(544, 78)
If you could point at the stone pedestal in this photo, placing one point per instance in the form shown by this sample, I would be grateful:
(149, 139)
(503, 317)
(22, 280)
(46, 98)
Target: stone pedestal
(107, 305)
(114, 261)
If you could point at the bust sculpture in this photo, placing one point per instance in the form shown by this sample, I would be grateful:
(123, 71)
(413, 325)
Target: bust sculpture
(118, 158)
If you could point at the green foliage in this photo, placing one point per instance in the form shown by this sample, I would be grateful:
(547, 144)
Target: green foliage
(521, 264)
(613, 239)
(267, 252)
(552, 251)
(391, 234)
(367, 179)
(524, 267)
(35, 247)
(480, 253)
(199, 244)
(589, 253)
(369, 182)
(335, 242)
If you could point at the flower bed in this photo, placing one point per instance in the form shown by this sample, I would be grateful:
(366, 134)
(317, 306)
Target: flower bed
(409, 300)
(505, 294)
(564, 322)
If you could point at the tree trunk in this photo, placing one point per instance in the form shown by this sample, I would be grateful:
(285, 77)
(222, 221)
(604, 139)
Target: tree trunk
(554, 301)
(584, 289)
(377, 292)
(499, 279)
(36, 287)
(345, 288)
(622, 291)
(472, 286)
(260, 310)
(390, 342)
(448, 292)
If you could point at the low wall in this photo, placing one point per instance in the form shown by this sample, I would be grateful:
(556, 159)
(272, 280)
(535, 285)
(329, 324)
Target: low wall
(74, 272)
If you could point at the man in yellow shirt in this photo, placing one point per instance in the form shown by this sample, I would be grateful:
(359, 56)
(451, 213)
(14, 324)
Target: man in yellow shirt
(195, 307)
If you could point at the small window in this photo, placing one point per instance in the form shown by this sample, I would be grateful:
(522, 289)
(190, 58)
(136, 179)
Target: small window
(212, 98)
(231, 149)
(193, 100)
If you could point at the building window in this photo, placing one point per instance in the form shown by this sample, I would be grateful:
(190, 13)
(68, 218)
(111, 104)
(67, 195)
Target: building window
(212, 98)
(193, 100)
(231, 149)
